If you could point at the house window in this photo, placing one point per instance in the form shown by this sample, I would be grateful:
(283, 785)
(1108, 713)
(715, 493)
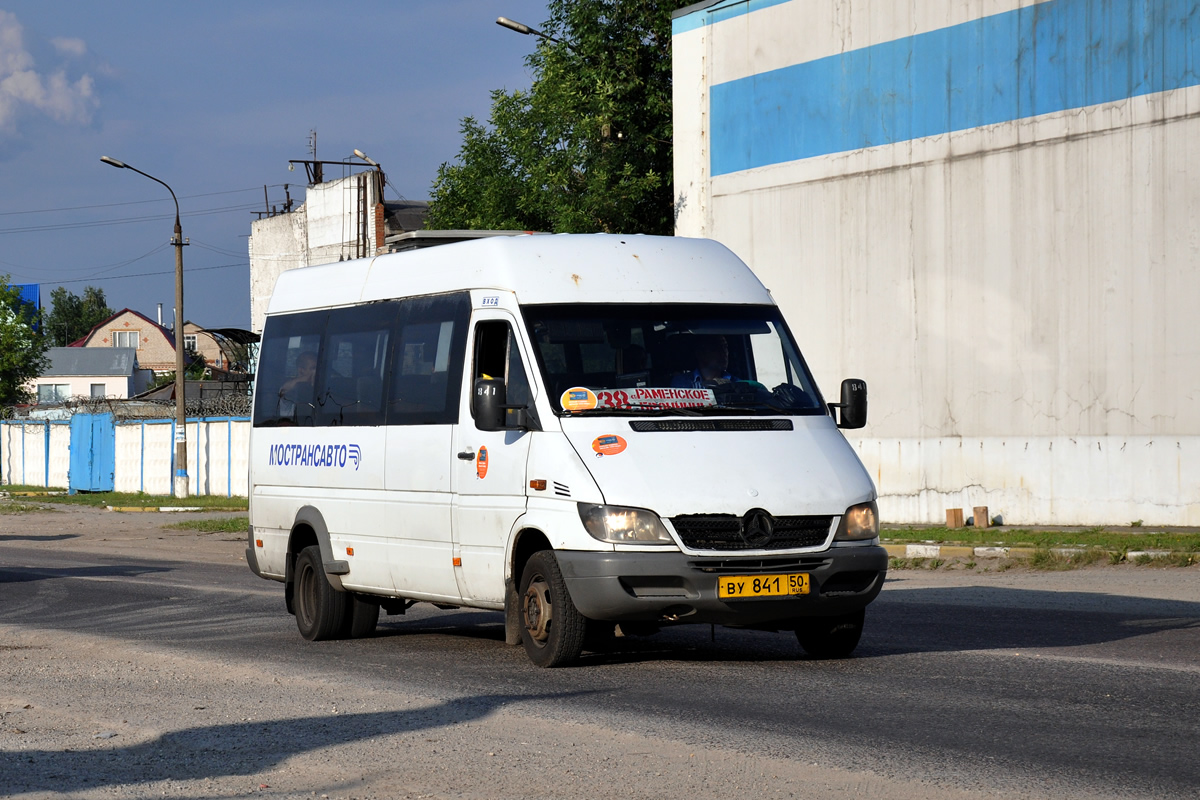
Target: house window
(53, 392)
(99, 390)
(189, 342)
(126, 338)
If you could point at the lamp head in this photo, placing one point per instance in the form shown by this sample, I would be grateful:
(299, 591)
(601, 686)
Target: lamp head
(113, 162)
(513, 25)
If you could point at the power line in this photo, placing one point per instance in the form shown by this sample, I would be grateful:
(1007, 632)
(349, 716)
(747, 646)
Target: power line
(133, 202)
(129, 220)
(189, 270)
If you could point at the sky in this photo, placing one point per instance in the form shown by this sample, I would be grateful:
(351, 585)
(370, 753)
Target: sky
(213, 98)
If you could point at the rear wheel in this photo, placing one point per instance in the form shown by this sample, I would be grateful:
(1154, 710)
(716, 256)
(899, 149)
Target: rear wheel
(552, 629)
(831, 637)
(320, 609)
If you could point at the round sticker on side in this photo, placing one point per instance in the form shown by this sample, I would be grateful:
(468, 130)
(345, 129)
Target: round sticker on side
(609, 445)
(578, 398)
(481, 463)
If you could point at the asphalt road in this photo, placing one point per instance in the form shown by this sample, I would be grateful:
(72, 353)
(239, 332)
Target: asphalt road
(1071, 684)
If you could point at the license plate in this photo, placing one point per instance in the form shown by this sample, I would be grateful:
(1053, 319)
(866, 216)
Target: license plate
(739, 586)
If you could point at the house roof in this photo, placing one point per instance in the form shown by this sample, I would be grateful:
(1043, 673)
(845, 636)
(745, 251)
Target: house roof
(77, 361)
(170, 337)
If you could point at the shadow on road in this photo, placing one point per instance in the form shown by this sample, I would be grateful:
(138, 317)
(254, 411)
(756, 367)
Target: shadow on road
(25, 574)
(241, 748)
(991, 618)
(56, 537)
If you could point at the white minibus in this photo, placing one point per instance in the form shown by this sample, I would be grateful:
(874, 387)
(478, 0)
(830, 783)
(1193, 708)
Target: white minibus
(595, 434)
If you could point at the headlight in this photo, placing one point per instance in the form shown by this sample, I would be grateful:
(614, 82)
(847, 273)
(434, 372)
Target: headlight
(860, 522)
(620, 525)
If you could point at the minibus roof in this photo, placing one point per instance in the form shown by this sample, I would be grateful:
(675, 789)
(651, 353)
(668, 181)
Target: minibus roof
(559, 268)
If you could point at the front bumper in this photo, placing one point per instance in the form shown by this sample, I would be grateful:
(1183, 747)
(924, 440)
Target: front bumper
(674, 587)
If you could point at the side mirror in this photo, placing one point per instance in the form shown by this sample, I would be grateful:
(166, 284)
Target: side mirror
(487, 404)
(853, 407)
(493, 414)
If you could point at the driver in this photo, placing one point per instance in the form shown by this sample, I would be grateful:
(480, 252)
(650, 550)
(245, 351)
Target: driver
(711, 357)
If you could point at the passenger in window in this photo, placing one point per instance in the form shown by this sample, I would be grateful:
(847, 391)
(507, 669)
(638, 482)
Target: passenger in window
(711, 357)
(298, 390)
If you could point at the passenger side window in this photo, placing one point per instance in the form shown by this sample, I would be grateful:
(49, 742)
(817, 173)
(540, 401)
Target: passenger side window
(285, 388)
(354, 365)
(498, 356)
(427, 360)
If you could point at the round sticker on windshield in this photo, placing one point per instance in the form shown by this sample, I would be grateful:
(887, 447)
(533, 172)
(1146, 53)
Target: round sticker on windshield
(609, 444)
(578, 398)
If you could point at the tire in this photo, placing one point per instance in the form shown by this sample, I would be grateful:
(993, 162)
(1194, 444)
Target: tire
(362, 616)
(831, 637)
(320, 609)
(552, 629)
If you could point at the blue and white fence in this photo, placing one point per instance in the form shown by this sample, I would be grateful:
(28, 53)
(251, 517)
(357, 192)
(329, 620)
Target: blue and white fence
(38, 453)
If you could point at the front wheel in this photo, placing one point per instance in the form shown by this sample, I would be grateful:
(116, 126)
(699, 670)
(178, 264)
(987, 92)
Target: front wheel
(320, 609)
(831, 637)
(552, 629)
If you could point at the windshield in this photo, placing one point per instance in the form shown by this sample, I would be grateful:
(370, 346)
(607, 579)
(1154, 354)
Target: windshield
(676, 359)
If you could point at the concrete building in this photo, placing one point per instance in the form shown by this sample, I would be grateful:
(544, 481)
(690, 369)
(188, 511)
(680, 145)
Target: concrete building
(90, 372)
(985, 209)
(338, 220)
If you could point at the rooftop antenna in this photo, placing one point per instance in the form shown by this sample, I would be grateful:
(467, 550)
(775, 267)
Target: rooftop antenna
(318, 175)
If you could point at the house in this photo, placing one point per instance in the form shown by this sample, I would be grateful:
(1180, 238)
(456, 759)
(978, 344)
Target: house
(90, 372)
(155, 345)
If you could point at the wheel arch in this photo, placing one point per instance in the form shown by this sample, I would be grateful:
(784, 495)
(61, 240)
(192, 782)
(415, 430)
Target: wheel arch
(309, 528)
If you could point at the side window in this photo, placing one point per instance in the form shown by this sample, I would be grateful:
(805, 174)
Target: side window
(498, 356)
(354, 365)
(427, 360)
(284, 390)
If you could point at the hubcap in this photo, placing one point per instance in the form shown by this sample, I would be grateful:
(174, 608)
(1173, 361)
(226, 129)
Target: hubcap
(537, 610)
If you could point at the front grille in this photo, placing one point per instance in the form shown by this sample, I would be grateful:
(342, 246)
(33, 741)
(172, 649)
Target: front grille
(725, 532)
(681, 425)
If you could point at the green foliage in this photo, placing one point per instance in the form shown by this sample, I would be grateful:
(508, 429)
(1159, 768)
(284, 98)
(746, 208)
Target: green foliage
(195, 369)
(22, 351)
(588, 147)
(239, 524)
(72, 316)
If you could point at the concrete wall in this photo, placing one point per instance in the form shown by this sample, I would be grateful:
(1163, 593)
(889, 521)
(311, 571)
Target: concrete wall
(218, 455)
(325, 228)
(985, 210)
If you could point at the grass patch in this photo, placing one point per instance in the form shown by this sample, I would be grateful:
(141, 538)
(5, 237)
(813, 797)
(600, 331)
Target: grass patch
(141, 500)
(1098, 537)
(20, 508)
(22, 487)
(218, 525)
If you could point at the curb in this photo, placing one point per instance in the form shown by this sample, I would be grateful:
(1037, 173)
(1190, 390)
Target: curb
(959, 551)
(136, 509)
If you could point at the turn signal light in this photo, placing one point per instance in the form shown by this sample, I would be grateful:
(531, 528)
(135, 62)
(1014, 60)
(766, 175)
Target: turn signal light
(538, 483)
(458, 562)
(349, 551)
(258, 542)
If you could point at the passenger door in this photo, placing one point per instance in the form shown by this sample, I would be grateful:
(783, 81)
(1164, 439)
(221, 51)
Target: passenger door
(423, 408)
(490, 465)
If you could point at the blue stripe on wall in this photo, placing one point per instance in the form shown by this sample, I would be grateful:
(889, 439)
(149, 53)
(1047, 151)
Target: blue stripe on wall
(1049, 57)
(719, 13)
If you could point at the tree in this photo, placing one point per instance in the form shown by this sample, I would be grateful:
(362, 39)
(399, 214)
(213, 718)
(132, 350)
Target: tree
(72, 317)
(588, 147)
(22, 350)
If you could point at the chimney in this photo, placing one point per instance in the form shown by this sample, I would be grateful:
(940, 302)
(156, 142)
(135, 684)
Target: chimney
(160, 315)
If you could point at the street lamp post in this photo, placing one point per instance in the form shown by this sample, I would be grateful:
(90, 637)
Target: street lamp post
(521, 27)
(181, 476)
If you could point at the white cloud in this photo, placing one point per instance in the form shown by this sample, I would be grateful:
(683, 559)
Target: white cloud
(23, 88)
(70, 47)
